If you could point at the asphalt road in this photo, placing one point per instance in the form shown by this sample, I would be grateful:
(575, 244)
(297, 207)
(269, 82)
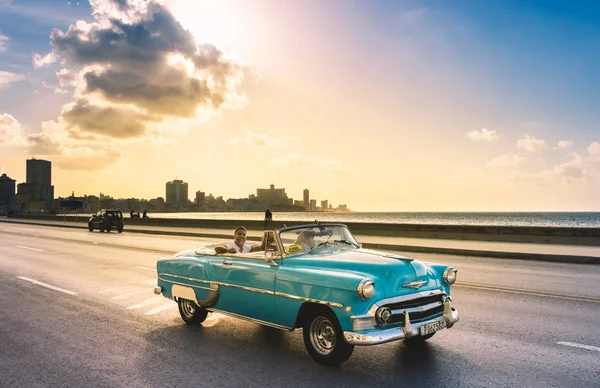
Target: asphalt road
(525, 324)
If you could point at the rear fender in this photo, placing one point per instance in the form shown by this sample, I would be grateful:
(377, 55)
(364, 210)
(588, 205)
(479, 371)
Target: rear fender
(189, 278)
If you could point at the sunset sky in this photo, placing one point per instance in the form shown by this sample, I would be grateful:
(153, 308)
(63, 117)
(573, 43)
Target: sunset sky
(441, 105)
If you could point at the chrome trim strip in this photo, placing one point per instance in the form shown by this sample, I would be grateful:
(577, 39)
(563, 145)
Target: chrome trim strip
(257, 290)
(254, 320)
(333, 304)
(184, 278)
(251, 289)
(215, 289)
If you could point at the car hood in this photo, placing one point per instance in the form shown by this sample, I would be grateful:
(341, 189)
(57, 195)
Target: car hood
(390, 271)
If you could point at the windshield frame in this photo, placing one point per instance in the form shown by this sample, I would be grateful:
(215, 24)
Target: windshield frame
(285, 254)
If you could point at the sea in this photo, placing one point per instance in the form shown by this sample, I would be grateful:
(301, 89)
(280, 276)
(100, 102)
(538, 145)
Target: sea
(546, 219)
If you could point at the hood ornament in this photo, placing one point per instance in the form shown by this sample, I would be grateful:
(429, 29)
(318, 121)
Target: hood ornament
(415, 285)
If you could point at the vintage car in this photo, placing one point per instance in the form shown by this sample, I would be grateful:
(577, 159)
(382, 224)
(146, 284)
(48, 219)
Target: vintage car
(319, 278)
(106, 220)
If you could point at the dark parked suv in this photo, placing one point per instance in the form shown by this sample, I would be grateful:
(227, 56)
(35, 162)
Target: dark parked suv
(106, 220)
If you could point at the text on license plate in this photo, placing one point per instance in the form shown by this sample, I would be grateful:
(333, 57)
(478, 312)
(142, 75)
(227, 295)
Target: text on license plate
(432, 327)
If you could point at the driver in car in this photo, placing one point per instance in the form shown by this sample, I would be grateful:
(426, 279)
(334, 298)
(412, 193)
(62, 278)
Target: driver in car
(306, 239)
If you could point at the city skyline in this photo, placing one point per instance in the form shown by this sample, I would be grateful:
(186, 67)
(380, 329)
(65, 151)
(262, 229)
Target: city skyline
(387, 106)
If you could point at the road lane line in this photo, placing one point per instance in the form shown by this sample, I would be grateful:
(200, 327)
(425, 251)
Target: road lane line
(130, 293)
(152, 282)
(164, 307)
(147, 302)
(47, 285)
(31, 249)
(525, 292)
(574, 345)
(146, 268)
(117, 289)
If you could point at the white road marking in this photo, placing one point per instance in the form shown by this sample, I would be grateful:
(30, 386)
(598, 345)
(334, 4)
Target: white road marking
(129, 293)
(146, 268)
(47, 285)
(152, 282)
(574, 345)
(147, 302)
(95, 242)
(31, 249)
(117, 289)
(156, 310)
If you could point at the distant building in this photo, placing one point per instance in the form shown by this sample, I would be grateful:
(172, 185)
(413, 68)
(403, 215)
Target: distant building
(324, 205)
(273, 196)
(306, 199)
(37, 193)
(200, 197)
(313, 204)
(177, 192)
(8, 201)
(39, 172)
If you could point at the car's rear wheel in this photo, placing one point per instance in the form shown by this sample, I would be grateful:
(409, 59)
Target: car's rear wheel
(120, 230)
(90, 228)
(190, 312)
(324, 337)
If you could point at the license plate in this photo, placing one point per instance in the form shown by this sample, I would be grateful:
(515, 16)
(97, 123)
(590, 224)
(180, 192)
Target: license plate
(432, 327)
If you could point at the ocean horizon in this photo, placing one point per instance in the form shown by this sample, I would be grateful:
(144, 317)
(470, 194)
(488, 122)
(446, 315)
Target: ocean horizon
(545, 219)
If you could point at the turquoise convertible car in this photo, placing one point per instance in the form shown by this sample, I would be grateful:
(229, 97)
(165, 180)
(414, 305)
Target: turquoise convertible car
(316, 277)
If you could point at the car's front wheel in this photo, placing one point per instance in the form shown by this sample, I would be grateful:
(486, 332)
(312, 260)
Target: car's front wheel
(190, 312)
(324, 337)
(90, 228)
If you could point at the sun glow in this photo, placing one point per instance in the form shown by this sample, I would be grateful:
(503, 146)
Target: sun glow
(210, 21)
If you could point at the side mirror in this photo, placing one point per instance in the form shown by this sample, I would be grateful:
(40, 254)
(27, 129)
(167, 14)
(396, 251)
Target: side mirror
(269, 257)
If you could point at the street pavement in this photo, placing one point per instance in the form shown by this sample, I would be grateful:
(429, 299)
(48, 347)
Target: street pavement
(77, 310)
(527, 251)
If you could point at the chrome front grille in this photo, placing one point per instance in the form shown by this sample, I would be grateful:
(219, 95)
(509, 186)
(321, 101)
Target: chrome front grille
(419, 309)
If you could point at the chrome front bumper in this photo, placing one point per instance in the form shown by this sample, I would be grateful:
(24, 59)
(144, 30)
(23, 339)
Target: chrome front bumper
(380, 336)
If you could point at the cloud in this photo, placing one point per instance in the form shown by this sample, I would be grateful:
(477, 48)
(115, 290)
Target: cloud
(564, 144)
(3, 42)
(12, 132)
(137, 75)
(7, 78)
(137, 54)
(506, 161)
(531, 144)
(68, 153)
(43, 60)
(594, 150)
(483, 134)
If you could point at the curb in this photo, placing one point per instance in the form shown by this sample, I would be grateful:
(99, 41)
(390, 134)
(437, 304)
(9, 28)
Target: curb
(574, 259)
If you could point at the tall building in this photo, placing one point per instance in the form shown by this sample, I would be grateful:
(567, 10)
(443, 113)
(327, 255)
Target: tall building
(8, 202)
(37, 192)
(324, 205)
(39, 172)
(200, 197)
(177, 192)
(306, 200)
(313, 204)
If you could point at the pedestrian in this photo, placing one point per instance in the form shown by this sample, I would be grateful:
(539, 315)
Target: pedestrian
(268, 218)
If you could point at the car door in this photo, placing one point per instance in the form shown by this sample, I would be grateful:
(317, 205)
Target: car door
(246, 285)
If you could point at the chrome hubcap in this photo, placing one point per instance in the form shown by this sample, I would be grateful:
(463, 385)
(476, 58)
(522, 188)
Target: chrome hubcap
(322, 335)
(189, 308)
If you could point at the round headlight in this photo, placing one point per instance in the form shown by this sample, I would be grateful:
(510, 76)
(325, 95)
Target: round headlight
(450, 275)
(366, 289)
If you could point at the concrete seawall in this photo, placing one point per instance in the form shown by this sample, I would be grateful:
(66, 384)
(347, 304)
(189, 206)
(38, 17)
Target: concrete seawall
(518, 234)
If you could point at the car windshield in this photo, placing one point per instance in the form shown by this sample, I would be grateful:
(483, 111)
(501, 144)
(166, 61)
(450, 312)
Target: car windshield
(114, 214)
(307, 239)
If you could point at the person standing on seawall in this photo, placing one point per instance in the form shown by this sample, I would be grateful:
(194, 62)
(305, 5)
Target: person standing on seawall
(268, 217)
